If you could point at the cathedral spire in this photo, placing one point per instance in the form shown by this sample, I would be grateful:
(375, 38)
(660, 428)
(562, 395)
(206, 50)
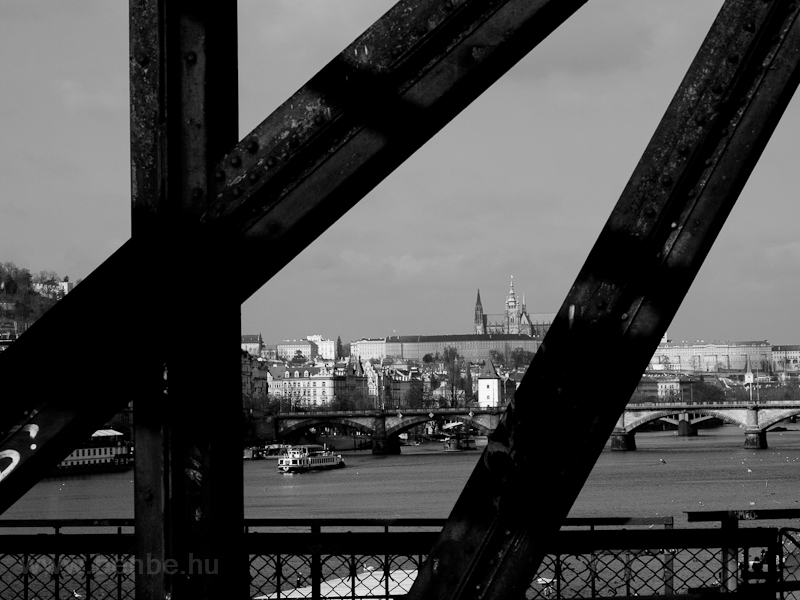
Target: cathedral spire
(478, 303)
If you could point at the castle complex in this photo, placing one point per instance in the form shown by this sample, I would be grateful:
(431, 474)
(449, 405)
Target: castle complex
(515, 320)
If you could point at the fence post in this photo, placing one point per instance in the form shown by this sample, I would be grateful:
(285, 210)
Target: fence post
(627, 574)
(87, 571)
(352, 576)
(26, 565)
(669, 571)
(316, 566)
(56, 575)
(729, 558)
(278, 573)
(558, 575)
(119, 569)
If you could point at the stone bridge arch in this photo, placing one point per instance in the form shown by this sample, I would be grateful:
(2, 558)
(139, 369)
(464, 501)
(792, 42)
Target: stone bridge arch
(288, 427)
(775, 416)
(633, 422)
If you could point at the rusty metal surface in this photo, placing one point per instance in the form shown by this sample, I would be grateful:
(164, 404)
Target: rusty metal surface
(285, 183)
(188, 495)
(362, 115)
(620, 305)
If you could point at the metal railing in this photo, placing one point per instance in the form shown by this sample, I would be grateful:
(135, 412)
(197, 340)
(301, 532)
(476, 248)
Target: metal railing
(376, 558)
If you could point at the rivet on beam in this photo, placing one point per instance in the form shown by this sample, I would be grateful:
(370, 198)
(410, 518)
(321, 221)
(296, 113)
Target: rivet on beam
(235, 160)
(271, 161)
(219, 175)
(197, 193)
(252, 146)
(191, 57)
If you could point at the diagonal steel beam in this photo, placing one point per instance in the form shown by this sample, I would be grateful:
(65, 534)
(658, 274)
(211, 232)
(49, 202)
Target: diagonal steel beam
(362, 115)
(626, 294)
(284, 183)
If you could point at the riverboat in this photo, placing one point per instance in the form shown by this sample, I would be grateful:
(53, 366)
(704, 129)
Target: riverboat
(309, 457)
(457, 444)
(107, 451)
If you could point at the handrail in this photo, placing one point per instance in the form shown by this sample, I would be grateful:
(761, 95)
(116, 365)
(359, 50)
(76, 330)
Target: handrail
(742, 515)
(591, 522)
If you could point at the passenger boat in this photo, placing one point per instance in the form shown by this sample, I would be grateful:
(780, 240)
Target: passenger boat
(309, 457)
(459, 443)
(105, 452)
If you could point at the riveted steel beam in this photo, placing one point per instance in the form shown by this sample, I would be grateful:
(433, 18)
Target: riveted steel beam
(285, 183)
(188, 497)
(361, 116)
(620, 305)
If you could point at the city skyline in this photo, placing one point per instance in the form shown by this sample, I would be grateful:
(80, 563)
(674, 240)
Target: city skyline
(519, 184)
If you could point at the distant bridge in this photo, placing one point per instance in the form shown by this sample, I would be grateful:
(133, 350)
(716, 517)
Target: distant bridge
(385, 425)
(754, 417)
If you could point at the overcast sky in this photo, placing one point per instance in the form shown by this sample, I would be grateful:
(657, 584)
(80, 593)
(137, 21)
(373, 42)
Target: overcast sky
(519, 184)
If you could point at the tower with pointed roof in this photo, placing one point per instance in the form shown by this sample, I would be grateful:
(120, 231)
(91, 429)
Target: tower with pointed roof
(488, 386)
(480, 324)
(512, 310)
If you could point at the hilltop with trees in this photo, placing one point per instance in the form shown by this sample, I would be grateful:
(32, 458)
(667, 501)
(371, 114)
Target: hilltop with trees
(25, 297)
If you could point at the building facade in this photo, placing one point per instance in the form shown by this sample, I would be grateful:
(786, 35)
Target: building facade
(515, 319)
(302, 386)
(712, 357)
(488, 393)
(252, 344)
(288, 349)
(472, 347)
(369, 348)
(786, 358)
(326, 349)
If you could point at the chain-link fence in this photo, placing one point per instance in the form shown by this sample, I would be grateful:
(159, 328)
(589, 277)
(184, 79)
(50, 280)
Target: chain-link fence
(371, 559)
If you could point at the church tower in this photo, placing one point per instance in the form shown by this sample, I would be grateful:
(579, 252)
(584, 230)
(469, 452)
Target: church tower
(480, 329)
(512, 310)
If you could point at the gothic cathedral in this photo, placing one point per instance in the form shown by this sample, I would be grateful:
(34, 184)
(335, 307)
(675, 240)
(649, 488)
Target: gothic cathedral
(515, 320)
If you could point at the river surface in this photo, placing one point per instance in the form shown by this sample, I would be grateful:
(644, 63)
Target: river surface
(666, 476)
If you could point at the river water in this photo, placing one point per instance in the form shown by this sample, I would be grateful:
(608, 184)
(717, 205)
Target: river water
(666, 476)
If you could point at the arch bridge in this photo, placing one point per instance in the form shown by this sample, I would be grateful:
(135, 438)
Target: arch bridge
(753, 418)
(384, 426)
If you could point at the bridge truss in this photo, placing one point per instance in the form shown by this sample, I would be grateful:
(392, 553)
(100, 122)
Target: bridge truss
(205, 198)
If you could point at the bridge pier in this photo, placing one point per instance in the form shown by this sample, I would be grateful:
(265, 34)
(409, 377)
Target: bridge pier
(755, 438)
(386, 445)
(685, 426)
(622, 440)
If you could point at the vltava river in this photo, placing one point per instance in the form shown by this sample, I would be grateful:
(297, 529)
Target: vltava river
(708, 472)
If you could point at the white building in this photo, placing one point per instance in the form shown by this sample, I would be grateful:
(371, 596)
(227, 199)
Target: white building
(326, 349)
(367, 348)
(488, 386)
(304, 386)
(289, 348)
(711, 357)
(252, 344)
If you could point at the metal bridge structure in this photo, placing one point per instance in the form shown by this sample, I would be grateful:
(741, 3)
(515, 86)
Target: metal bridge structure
(206, 198)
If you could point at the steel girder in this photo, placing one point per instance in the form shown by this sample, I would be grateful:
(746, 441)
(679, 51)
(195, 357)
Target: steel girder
(624, 298)
(188, 493)
(284, 183)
